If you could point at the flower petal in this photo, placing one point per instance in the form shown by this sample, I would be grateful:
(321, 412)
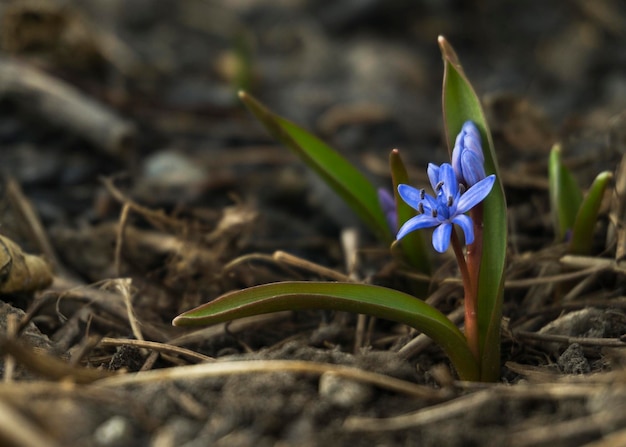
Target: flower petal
(410, 195)
(433, 175)
(441, 237)
(416, 223)
(473, 168)
(471, 140)
(456, 158)
(475, 194)
(466, 224)
(450, 185)
(467, 156)
(459, 148)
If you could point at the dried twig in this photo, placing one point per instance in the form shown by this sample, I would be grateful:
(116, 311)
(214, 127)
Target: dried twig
(123, 286)
(552, 279)
(9, 361)
(119, 242)
(156, 218)
(561, 432)
(64, 105)
(568, 340)
(49, 366)
(159, 347)
(28, 213)
(20, 431)
(268, 366)
(468, 404)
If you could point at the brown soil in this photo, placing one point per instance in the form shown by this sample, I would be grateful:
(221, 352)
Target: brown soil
(128, 163)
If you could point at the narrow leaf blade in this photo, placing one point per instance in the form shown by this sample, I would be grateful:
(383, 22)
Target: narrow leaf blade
(565, 194)
(460, 103)
(582, 234)
(349, 297)
(334, 169)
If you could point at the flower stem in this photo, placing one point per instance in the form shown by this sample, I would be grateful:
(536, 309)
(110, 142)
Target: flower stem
(471, 323)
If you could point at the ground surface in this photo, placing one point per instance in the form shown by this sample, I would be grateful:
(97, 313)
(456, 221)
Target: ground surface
(129, 164)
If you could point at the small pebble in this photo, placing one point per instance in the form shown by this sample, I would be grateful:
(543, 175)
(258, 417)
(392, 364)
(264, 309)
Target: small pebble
(573, 360)
(343, 392)
(173, 168)
(116, 431)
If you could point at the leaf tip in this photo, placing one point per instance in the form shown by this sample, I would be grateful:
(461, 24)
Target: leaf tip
(178, 321)
(242, 95)
(448, 52)
(605, 175)
(443, 44)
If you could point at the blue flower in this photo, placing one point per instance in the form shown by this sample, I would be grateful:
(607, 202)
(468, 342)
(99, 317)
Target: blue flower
(448, 207)
(467, 156)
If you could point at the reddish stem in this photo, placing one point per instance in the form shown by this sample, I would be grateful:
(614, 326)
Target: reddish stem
(471, 323)
(475, 250)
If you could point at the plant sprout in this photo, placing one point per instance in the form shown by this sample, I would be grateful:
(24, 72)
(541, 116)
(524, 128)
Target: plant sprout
(574, 216)
(469, 184)
(448, 208)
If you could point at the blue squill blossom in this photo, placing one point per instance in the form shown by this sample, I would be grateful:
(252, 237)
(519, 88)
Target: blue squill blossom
(448, 207)
(467, 156)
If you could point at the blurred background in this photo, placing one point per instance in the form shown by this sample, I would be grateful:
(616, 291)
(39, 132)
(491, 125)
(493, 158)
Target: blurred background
(365, 75)
(125, 153)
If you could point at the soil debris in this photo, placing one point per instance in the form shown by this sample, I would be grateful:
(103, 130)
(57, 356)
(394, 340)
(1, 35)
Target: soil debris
(134, 186)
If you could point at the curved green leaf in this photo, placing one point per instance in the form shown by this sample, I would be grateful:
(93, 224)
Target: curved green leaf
(582, 234)
(460, 103)
(349, 297)
(335, 170)
(413, 245)
(565, 194)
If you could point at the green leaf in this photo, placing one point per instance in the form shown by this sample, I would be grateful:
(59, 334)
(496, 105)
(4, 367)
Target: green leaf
(565, 194)
(582, 234)
(460, 103)
(413, 245)
(348, 297)
(334, 169)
